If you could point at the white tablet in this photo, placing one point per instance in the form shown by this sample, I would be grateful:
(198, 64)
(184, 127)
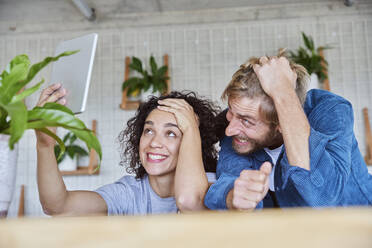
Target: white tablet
(74, 71)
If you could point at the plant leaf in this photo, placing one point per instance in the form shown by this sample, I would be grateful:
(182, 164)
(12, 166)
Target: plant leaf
(66, 137)
(90, 140)
(58, 154)
(19, 59)
(45, 130)
(70, 152)
(86, 135)
(136, 64)
(162, 70)
(27, 92)
(18, 118)
(3, 123)
(56, 116)
(56, 106)
(35, 68)
(79, 150)
(72, 138)
(153, 65)
(7, 91)
(16, 86)
(308, 40)
(132, 82)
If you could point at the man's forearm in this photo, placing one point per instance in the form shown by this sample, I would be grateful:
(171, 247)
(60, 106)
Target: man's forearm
(295, 129)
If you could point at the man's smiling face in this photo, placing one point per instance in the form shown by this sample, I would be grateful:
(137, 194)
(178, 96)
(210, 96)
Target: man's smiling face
(248, 131)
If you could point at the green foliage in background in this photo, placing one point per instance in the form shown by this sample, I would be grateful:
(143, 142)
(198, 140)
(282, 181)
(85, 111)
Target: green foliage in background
(156, 78)
(15, 118)
(71, 148)
(310, 58)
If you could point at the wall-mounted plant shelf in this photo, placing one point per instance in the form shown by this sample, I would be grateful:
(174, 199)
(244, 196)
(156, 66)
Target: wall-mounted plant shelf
(91, 169)
(132, 105)
(368, 157)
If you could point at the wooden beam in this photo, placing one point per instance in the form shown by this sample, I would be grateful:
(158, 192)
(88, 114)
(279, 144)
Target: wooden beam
(305, 228)
(21, 205)
(124, 97)
(93, 163)
(326, 85)
(166, 62)
(368, 137)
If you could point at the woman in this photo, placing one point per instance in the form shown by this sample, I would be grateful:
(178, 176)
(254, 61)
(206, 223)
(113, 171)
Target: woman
(169, 144)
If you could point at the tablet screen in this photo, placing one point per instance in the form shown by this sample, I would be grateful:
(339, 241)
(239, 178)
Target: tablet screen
(74, 71)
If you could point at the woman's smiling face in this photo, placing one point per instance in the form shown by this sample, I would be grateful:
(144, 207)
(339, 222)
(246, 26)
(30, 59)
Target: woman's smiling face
(159, 144)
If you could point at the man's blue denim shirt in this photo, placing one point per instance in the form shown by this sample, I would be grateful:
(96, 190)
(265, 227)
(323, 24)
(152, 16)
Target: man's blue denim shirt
(338, 175)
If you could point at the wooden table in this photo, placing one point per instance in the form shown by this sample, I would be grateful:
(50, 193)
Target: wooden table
(350, 227)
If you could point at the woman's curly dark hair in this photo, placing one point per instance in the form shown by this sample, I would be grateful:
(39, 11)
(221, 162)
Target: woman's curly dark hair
(130, 137)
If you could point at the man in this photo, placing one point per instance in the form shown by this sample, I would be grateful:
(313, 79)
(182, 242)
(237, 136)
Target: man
(283, 151)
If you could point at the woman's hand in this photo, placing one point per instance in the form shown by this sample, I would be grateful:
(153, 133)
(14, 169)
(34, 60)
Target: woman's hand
(184, 113)
(191, 183)
(53, 93)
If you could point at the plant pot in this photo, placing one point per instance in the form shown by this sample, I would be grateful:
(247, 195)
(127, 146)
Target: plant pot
(83, 160)
(314, 82)
(8, 169)
(68, 164)
(147, 94)
(134, 98)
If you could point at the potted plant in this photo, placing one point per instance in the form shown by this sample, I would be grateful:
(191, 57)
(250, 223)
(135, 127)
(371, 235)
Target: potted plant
(312, 60)
(15, 118)
(149, 82)
(68, 160)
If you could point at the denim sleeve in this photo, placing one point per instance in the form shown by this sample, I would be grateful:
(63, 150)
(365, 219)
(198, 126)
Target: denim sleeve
(330, 147)
(216, 195)
(229, 167)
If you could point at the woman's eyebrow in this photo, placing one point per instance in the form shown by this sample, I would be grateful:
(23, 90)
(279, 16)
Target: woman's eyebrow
(168, 124)
(171, 125)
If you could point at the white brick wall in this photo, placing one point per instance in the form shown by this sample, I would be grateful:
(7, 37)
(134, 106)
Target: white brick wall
(202, 58)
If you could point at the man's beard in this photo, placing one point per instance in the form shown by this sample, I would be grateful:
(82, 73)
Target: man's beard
(273, 139)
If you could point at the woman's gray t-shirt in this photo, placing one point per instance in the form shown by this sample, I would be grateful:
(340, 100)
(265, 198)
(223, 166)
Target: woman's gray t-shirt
(130, 196)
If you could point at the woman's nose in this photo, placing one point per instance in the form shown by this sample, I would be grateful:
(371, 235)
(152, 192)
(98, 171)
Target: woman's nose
(156, 142)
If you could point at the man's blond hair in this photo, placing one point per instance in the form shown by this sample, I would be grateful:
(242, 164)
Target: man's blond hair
(244, 83)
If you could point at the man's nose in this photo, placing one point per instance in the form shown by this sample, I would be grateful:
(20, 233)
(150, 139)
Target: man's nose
(233, 128)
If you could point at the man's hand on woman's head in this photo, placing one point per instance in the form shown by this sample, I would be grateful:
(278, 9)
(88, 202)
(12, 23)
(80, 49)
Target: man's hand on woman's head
(183, 112)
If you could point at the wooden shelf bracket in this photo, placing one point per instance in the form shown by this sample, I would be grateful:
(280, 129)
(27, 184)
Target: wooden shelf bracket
(368, 136)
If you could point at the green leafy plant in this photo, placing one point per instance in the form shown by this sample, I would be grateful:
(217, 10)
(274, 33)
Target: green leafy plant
(156, 78)
(15, 118)
(310, 58)
(72, 149)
